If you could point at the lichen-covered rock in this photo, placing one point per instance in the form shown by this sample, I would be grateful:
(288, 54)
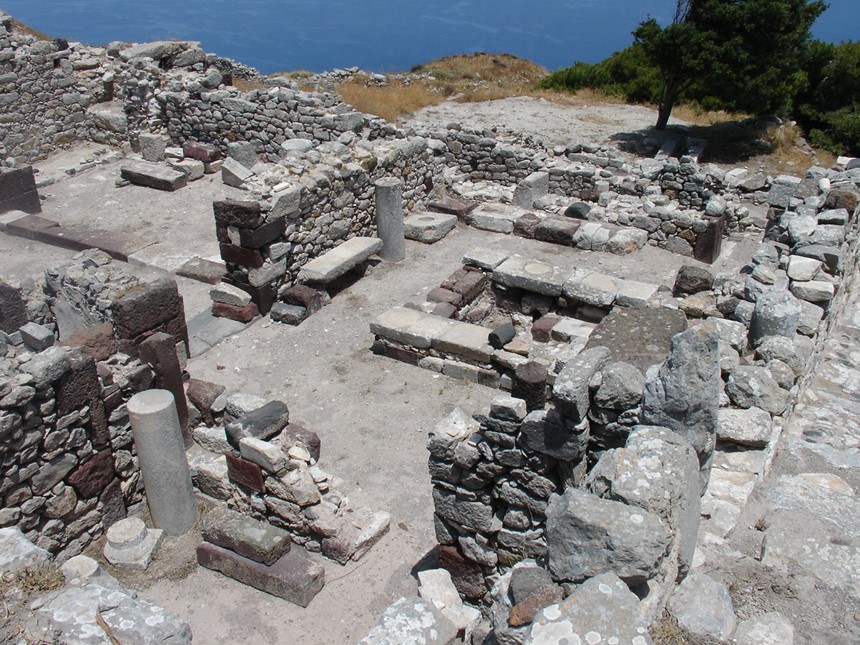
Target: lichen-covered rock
(703, 606)
(603, 610)
(684, 394)
(587, 535)
(752, 386)
(411, 620)
(657, 470)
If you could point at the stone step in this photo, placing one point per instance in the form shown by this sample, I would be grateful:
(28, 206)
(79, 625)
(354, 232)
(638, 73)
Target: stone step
(339, 260)
(295, 577)
(153, 175)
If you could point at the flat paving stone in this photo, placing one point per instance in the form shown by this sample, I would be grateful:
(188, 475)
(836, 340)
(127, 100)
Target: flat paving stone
(428, 227)
(531, 275)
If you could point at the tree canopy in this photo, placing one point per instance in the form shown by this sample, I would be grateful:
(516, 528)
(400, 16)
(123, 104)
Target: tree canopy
(747, 53)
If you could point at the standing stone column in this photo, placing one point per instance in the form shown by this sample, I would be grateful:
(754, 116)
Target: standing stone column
(158, 438)
(389, 219)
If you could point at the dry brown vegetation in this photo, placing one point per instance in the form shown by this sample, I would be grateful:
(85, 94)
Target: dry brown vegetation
(26, 29)
(389, 101)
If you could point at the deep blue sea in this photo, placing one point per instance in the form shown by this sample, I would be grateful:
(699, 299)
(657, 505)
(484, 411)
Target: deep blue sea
(376, 35)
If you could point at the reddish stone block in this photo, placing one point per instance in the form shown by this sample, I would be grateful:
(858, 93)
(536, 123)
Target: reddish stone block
(465, 574)
(245, 473)
(242, 314)
(96, 341)
(470, 285)
(94, 475)
(203, 394)
(263, 297)
(18, 191)
(255, 238)
(206, 152)
(302, 295)
(245, 214)
(443, 295)
(524, 613)
(296, 577)
(454, 278)
(241, 255)
(112, 504)
(556, 230)
(402, 355)
(13, 310)
(525, 225)
(79, 387)
(159, 350)
(542, 328)
(145, 308)
(296, 434)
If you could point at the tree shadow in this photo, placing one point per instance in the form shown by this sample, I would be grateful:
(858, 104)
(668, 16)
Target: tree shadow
(728, 142)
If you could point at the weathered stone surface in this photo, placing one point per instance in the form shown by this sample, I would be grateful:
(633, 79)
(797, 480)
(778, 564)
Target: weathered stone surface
(266, 455)
(657, 470)
(776, 313)
(626, 241)
(245, 473)
(244, 214)
(206, 152)
(131, 545)
(262, 423)
(570, 391)
(48, 366)
(145, 308)
(692, 278)
(37, 337)
(339, 260)
(93, 475)
(153, 175)
(684, 394)
(587, 535)
(603, 610)
(771, 628)
(465, 574)
(428, 227)
(621, 386)
(813, 291)
(295, 577)
(288, 314)
(557, 230)
(69, 616)
(53, 472)
(17, 552)
(531, 275)
(751, 386)
(703, 606)
(411, 620)
(436, 586)
(591, 288)
(250, 538)
(751, 427)
(203, 395)
(641, 337)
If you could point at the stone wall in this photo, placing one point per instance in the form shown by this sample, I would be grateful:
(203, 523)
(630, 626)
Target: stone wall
(69, 468)
(561, 481)
(294, 216)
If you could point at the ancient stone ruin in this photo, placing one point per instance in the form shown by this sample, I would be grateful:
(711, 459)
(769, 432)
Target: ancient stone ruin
(623, 418)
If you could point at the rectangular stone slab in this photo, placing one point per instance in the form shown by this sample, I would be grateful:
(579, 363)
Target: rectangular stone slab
(295, 577)
(468, 341)
(339, 260)
(250, 538)
(531, 275)
(153, 175)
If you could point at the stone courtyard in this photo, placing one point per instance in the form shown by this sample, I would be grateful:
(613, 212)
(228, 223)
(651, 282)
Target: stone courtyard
(431, 383)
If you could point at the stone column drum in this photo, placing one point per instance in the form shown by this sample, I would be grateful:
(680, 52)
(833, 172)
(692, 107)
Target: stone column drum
(389, 219)
(158, 438)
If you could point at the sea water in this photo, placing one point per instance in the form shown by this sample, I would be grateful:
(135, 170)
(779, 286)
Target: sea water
(375, 35)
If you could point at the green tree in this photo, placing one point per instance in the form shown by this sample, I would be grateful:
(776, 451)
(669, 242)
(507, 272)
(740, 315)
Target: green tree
(746, 53)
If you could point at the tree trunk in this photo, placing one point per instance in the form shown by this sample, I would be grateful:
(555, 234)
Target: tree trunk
(667, 101)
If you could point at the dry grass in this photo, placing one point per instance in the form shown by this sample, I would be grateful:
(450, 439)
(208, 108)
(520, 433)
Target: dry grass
(247, 84)
(468, 78)
(667, 631)
(388, 101)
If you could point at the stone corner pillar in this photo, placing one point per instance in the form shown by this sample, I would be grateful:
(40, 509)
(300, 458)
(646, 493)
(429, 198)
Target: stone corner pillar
(389, 219)
(166, 478)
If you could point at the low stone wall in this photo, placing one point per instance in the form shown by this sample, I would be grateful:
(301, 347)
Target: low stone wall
(252, 458)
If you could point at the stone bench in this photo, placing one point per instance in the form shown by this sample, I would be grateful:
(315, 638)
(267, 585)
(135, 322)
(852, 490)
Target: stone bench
(341, 259)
